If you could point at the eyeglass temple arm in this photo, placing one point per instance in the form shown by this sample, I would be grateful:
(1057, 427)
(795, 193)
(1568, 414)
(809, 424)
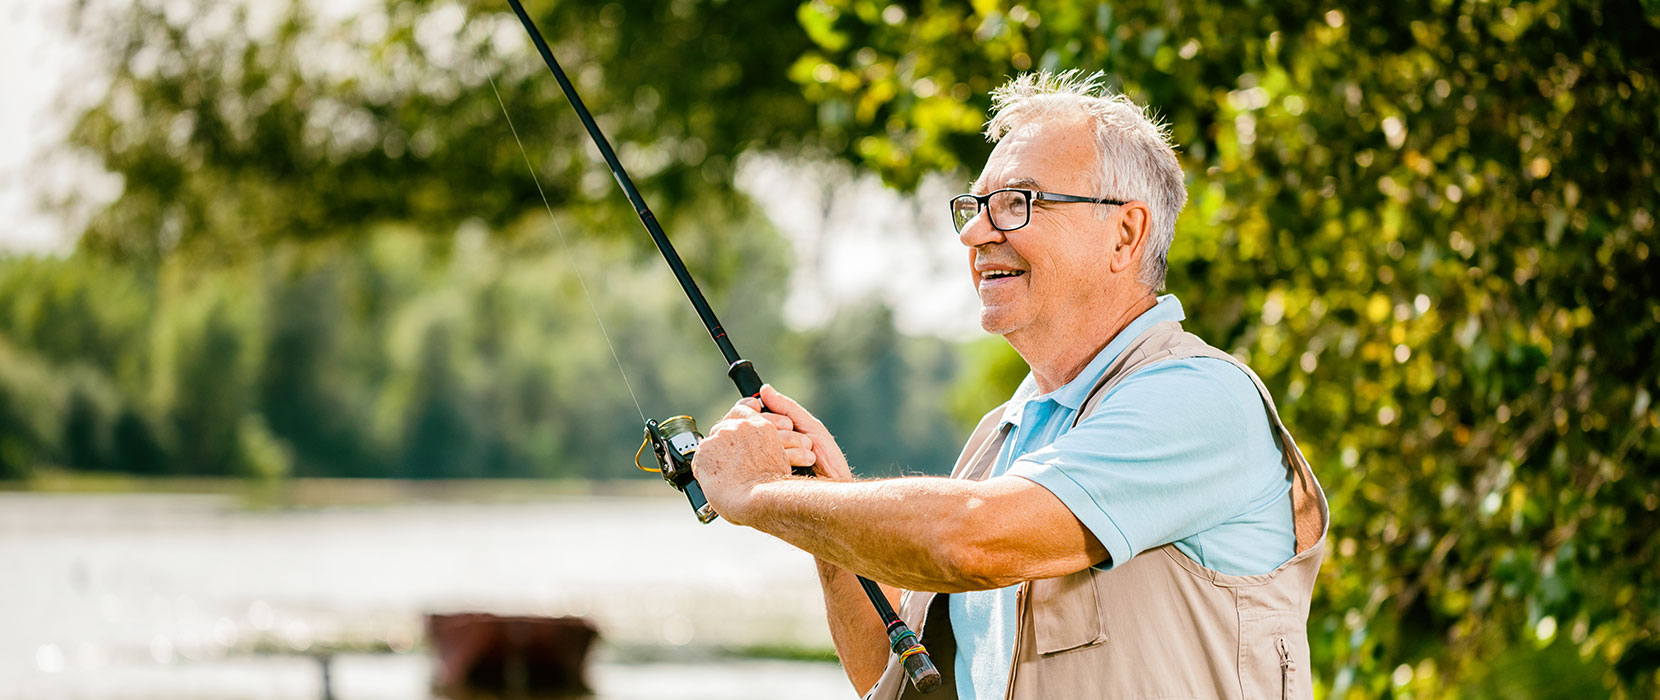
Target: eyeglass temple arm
(1052, 197)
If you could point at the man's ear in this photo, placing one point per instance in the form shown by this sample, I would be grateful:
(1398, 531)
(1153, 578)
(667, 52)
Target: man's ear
(1129, 235)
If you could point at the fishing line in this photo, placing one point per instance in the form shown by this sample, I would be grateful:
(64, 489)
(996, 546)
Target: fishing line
(569, 259)
(674, 442)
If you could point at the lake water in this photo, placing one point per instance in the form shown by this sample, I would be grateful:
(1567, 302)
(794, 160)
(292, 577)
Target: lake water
(171, 596)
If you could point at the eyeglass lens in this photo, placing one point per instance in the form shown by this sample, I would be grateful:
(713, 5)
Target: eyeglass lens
(1009, 210)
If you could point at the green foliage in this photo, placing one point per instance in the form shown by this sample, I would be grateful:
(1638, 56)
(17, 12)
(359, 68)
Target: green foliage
(399, 355)
(1429, 228)
(883, 395)
(231, 131)
(990, 366)
(29, 405)
(327, 258)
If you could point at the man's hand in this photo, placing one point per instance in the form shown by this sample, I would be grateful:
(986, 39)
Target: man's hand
(745, 449)
(825, 455)
(798, 448)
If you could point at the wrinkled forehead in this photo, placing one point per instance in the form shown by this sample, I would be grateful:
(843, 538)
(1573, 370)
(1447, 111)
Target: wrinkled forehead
(1056, 154)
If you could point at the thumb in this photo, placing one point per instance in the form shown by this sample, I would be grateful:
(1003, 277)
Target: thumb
(742, 410)
(786, 406)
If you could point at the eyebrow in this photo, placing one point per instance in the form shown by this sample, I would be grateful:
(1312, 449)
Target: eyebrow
(1021, 183)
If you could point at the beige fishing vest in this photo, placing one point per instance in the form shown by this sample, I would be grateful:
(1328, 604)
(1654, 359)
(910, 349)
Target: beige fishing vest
(1160, 625)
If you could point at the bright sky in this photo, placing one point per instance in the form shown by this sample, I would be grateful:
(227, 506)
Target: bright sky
(854, 241)
(36, 58)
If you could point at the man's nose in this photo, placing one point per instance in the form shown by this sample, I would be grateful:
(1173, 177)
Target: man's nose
(979, 231)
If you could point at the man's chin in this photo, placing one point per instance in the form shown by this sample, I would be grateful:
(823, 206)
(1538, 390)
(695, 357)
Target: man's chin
(998, 321)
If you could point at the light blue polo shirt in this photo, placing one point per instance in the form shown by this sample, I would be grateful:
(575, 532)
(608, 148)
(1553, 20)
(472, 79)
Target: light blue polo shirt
(1181, 451)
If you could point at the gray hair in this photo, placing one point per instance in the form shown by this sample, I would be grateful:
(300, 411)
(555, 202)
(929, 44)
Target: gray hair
(1136, 160)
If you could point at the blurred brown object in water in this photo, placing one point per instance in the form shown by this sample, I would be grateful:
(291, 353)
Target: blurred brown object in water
(483, 655)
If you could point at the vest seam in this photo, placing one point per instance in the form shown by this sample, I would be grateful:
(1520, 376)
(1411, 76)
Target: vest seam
(1239, 636)
(1022, 605)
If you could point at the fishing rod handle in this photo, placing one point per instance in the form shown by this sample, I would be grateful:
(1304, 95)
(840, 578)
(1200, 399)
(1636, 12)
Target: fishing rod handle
(919, 666)
(749, 383)
(743, 374)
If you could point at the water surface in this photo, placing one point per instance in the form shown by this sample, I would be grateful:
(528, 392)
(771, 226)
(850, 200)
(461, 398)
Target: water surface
(193, 596)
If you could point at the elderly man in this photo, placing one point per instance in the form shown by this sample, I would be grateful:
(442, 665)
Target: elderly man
(1135, 522)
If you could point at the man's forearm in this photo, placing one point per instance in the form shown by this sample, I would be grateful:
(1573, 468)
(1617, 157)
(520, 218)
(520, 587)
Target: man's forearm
(900, 531)
(926, 533)
(855, 628)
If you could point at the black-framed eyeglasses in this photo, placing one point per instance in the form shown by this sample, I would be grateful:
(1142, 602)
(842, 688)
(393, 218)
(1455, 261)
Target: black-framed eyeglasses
(1010, 208)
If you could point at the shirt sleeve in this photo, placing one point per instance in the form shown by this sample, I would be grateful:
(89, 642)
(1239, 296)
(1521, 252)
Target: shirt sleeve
(1163, 458)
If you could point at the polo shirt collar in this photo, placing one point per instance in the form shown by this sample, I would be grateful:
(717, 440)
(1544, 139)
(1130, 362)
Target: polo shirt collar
(1073, 393)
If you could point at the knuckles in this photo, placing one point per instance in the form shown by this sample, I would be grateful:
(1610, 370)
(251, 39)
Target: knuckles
(740, 427)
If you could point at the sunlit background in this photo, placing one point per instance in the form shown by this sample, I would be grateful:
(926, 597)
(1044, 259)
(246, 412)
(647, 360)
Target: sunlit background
(292, 352)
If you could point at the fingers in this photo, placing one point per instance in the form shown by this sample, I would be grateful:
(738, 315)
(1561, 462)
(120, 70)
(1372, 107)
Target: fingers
(828, 460)
(780, 421)
(800, 458)
(786, 406)
(798, 449)
(745, 408)
(779, 403)
(790, 422)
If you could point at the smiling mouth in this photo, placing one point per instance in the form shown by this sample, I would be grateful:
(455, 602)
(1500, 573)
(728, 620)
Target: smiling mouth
(989, 275)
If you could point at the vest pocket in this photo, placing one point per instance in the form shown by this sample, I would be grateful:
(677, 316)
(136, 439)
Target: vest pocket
(1066, 614)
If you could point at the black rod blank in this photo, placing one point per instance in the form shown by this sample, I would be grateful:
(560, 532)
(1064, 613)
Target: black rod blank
(646, 217)
(918, 666)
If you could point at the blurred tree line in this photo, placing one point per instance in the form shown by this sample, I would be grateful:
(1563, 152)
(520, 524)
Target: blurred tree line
(328, 258)
(1427, 226)
(403, 355)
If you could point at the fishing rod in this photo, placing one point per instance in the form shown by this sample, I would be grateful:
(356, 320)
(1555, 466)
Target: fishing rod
(674, 441)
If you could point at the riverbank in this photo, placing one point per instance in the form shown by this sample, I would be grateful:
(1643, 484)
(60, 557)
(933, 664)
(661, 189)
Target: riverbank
(190, 580)
(314, 493)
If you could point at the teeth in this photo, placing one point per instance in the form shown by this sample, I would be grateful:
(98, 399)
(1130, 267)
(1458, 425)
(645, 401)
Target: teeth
(994, 274)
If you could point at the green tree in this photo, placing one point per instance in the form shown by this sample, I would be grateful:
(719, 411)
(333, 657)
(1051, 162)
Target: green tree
(230, 134)
(29, 413)
(1429, 228)
(881, 393)
(313, 392)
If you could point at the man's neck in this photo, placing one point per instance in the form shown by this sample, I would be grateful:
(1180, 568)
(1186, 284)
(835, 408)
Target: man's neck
(1059, 357)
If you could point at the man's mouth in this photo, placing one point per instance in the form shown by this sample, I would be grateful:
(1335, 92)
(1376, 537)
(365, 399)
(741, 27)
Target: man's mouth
(988, 275)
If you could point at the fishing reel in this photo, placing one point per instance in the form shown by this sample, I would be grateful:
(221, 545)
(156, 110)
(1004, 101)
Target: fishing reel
(675, 441)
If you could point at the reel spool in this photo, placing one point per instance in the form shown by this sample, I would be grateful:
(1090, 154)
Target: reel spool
(675, 441)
